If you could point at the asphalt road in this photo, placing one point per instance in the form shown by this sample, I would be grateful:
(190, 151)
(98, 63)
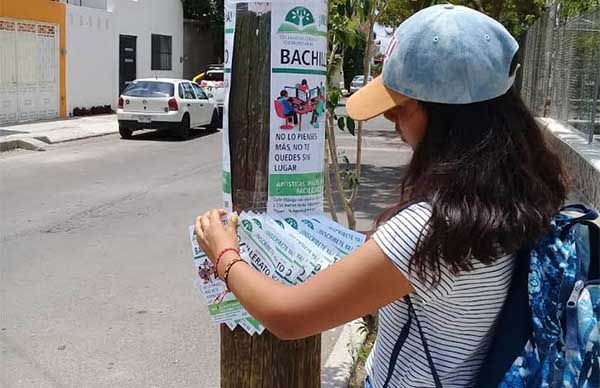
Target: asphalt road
(95, 267)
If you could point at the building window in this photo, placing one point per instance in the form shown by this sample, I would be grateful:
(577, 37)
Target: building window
(161, 52)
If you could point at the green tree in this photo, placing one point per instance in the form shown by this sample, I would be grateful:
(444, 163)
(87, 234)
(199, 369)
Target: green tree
(342, 35)
(211, 12)
(516, 15)
(353, 59)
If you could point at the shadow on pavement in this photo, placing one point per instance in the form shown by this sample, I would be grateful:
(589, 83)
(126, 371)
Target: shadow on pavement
(167, 135)
(380, 188)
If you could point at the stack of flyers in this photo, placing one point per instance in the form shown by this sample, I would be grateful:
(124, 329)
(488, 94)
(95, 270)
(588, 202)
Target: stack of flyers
(290, 248)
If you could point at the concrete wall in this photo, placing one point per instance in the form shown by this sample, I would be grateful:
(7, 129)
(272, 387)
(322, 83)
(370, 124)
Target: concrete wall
(198, 48)
(91, 62)
(582, 160)
(142, 18)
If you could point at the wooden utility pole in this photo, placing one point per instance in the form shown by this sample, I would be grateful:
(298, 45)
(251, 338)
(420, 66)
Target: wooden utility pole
(258, 361)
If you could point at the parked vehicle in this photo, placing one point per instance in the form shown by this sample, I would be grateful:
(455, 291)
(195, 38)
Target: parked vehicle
(357, 83)
(213, 83)
(162, 103)
(198, 78)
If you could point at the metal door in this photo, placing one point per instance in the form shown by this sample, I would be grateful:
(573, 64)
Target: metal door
(29, 71)
(8, 72)
(127, 60)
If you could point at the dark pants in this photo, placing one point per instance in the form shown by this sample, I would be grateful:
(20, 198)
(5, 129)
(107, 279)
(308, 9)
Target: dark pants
(293, 115)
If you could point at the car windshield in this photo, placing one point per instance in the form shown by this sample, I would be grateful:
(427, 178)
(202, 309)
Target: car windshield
(361, 79)
(149, 89)
(213, 76)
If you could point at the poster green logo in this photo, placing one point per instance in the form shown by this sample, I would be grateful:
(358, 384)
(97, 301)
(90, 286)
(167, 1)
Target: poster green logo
(247, 225)
(309, 224)
(292, 222)
(300, 20)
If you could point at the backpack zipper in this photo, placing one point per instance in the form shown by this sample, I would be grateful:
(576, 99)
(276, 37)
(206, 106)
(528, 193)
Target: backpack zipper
(572, 301)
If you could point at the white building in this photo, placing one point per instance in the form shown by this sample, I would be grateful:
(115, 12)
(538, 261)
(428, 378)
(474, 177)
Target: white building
(112, 42)
(56, 56)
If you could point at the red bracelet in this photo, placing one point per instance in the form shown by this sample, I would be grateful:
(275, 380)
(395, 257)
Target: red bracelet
(224, 251)
(228, 268)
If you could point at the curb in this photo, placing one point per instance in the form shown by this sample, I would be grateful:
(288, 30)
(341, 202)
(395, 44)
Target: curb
(338, 367)
(56, 140)
(39, 142)
(26, 144)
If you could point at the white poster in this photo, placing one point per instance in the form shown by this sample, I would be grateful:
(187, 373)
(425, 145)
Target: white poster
(297, 107)
(229, 35)
(298, 79)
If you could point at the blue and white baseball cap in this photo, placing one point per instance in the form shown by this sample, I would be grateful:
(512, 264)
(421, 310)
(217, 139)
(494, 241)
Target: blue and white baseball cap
(444, 53)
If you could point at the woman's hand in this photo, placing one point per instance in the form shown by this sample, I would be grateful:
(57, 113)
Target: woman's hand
(213, 236)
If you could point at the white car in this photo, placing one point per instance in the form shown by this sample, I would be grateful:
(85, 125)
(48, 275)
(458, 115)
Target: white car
(213, 83)
(162, 103)
(357, 83)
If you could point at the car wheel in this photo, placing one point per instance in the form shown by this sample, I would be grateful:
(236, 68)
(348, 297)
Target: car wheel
(183, 131)
(125, 132)
(214, 121)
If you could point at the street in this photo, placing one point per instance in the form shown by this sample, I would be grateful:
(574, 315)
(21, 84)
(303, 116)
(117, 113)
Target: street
(96, 275)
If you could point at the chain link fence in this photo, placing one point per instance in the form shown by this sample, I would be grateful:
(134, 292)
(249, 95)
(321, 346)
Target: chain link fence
(561, 70)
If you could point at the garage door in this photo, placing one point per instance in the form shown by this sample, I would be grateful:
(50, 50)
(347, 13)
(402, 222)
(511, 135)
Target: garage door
(29, 76)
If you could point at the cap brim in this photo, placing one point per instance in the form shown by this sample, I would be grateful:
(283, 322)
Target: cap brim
(372, 100)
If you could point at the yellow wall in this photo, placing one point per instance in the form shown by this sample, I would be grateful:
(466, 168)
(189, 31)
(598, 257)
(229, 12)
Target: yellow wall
(45, 11)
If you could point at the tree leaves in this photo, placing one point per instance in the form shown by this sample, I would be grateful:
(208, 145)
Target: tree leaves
(344, 122)
(351, 125)
(516, 15)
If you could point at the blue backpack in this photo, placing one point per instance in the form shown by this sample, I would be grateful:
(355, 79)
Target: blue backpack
(548, 332)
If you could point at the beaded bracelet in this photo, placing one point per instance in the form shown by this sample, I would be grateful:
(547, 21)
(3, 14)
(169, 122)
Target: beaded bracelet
(224, 251)
(228, 268)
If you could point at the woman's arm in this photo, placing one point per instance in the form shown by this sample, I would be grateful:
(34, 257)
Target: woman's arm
(355, 286)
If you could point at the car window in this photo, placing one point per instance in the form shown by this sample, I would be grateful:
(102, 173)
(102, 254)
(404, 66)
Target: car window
(180, 91)
(199, 92)
(188, 92)
(213, 76)
(149, 89)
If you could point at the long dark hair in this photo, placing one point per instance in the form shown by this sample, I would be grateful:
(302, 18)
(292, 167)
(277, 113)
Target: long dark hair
(490, 178)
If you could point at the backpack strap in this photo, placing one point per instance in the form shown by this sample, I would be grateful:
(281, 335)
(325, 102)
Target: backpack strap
(587, 212)
(400, 343)
(587, 215)
(397, 347)
(436, 378)
(594, 238)
(513, 326)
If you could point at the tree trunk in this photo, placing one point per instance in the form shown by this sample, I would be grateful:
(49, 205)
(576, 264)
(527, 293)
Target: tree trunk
(327, 182)
(260, 360)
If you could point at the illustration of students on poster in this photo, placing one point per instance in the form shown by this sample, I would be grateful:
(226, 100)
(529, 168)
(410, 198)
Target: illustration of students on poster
(298, 76)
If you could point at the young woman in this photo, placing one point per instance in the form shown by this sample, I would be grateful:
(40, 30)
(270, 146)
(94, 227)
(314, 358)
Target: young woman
(480, 185)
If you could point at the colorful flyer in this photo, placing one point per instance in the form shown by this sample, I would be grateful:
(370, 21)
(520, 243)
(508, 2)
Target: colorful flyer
(289, 248)
(298, 79)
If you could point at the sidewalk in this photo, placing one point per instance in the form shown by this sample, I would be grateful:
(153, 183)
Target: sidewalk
(385, 158)
(36, 135)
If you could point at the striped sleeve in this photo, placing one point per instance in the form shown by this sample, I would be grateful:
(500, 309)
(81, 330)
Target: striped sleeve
(398, 239)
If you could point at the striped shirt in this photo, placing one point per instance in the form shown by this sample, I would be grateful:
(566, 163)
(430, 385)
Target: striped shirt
(457, 315)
